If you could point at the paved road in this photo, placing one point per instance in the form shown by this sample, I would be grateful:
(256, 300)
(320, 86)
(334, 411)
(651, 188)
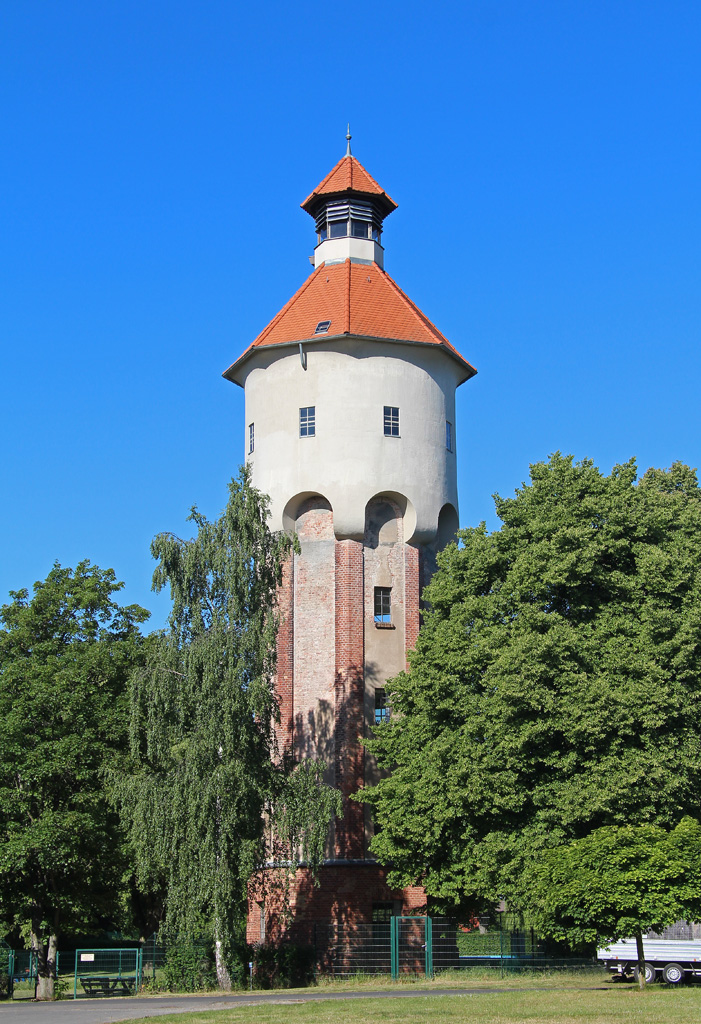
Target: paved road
(105, 1011)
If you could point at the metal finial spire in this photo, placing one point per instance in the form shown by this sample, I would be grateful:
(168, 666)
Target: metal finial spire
(348, 137)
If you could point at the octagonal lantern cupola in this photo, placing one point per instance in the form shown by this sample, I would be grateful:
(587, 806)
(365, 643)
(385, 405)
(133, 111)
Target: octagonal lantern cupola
(348, 208)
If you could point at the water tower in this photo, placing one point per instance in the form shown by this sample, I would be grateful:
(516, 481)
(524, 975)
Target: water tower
(350, 428)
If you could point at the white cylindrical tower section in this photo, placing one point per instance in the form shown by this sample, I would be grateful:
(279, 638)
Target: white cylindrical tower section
(350, 419)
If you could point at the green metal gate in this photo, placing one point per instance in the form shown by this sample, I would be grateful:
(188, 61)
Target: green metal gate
(411, 946)
(107, 972)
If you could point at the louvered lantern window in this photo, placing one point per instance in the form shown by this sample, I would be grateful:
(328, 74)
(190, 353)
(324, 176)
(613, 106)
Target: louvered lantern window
(339, 219)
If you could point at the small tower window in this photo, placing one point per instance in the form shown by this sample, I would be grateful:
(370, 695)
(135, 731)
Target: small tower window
(449, 435)
(251, 438)
(359, 229)
(307, 424)
(338, 229)
(382, 914)
(381, 707)
(383, 605)
(391, 419)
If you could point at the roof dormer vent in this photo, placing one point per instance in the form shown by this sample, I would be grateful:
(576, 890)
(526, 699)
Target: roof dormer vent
(322, 327)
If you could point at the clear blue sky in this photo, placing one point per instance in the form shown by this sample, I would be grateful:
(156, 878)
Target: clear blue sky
(546, 161)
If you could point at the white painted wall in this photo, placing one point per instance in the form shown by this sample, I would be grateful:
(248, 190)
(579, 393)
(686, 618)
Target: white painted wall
(350, 460)
(348, 247)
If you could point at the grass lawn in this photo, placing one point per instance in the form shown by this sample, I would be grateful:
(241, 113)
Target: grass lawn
(605, 1004)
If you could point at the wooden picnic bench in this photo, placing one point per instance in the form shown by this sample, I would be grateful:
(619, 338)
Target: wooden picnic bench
(103, 985)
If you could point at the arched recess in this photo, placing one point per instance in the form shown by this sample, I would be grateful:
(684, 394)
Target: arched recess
(310, 517)
(448, 525)
(301, 503)
(381, 511)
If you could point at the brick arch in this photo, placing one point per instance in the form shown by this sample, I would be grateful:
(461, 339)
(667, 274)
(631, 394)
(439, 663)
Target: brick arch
(383, 522)
(314, 520)
(403, 510)
(301, 504)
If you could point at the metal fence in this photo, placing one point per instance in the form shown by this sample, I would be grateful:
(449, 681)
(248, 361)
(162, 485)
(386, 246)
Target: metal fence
(493, 945)
(153, 959)
(422, 946)
(395, 946)
(21, 967)
(106, 972)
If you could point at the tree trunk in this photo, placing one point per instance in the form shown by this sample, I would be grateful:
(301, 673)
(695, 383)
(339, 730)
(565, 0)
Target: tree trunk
(45, 985)
(641, 958)
(223, 976)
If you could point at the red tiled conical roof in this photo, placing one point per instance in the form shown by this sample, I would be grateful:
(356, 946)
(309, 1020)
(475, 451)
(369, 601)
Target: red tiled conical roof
(348, 175)
(359, 299)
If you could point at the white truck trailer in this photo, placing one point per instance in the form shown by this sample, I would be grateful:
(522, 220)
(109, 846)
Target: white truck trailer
(672, 960)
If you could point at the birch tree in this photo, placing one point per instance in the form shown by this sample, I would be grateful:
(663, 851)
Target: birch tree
(203, 711)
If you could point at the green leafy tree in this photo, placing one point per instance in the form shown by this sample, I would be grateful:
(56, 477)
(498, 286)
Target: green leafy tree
(202, 725)
(619, 881)
(65, 658)
(555, 687)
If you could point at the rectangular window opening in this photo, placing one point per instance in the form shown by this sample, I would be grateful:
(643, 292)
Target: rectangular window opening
(391, 421)
(322, 327)
(382, 914)
(449, 435)
(307, 421)
(381, 707)
(383, 605)
(251, 438)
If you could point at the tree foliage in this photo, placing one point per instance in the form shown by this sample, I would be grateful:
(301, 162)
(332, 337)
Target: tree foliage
(202, 723)
(65, 658)
(618, 881)
(554, 689)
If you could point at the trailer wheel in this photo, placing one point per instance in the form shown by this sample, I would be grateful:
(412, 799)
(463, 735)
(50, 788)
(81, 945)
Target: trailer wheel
(673, 974)
(649, 973)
